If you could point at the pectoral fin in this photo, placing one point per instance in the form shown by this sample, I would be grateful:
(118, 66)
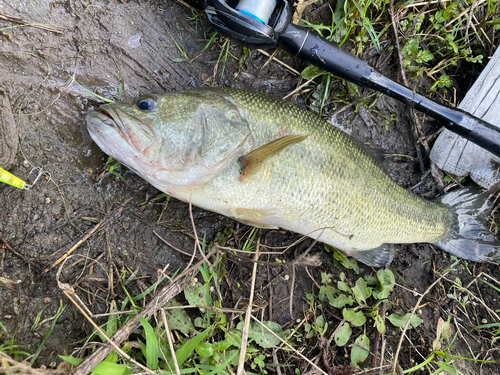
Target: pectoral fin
(252, 217)
(251, 162)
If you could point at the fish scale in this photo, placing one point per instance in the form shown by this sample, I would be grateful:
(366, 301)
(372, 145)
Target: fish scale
(314, 180)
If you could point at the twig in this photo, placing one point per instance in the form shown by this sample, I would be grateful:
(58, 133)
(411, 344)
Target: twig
(5, 245)
(378, 337)
(312, 278)
(417, 127)
(278, 61)
(290, 301)
(290, 347)
(344, 108)
(325, 354)
(172, 246)
(15, 367)
(248, 315)
(332, 336)
(271, 57)
(298, 88)
(409, 320)
(197, 244)
(170, 342)
(69, 292)
(165, 295)
(490, 310)
(382, 354)
(276, 362)
(20, 21)
(104, 223)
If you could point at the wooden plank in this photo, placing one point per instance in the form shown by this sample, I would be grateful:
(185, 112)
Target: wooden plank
(459, 157)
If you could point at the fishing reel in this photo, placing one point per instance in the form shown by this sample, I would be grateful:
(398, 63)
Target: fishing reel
(256, 23)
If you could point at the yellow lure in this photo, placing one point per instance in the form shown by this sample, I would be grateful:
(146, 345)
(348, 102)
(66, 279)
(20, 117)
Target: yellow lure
(10, 179)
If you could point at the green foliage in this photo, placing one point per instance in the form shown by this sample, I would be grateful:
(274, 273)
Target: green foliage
(103, 368)
(343, 334)
(400, 321)
(318, 327)
(360, 350)
(179, 319)
(111, 165)
(341, 260)
(438, 41)
(8, 344)
(432, 40)
(262, 336)
(150, 350)
(359, 303)
(206, 342)
(441, 357)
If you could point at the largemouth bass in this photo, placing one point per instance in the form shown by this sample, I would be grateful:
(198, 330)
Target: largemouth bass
(270, 164)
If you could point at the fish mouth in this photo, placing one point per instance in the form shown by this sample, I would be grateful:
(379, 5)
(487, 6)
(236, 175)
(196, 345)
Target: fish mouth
(129, 128)
(106, 113)
(114, 120)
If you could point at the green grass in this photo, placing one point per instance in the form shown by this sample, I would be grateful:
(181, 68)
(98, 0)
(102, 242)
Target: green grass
(199, 331)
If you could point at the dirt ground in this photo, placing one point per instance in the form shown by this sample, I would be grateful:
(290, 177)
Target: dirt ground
(93, 42)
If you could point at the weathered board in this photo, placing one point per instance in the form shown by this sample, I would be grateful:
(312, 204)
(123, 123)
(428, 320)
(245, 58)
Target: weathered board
(460, 157)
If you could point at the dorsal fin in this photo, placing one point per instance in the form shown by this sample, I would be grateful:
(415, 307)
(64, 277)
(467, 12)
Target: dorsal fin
(252, 161)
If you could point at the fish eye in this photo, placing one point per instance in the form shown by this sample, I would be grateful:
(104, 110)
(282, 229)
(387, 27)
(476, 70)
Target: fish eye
(146, 104)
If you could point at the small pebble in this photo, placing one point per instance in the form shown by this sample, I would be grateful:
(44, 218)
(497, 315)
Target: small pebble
(484, 321)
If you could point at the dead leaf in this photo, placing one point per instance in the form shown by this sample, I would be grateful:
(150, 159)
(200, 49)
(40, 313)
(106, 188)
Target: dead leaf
(301, 5)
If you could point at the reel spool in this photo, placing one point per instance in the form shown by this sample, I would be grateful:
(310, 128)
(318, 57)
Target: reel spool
(259, 10)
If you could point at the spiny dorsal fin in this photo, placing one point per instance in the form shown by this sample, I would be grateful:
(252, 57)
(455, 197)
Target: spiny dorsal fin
(252, 161)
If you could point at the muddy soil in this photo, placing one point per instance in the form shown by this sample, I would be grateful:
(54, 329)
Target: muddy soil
(158, 46)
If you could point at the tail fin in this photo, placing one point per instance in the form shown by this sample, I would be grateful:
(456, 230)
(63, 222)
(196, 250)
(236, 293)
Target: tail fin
(470, 237)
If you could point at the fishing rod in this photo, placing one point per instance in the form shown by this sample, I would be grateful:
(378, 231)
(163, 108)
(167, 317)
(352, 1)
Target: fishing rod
(267, 24)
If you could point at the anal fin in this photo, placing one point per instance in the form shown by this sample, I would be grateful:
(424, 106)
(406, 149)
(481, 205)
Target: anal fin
(378, 257)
